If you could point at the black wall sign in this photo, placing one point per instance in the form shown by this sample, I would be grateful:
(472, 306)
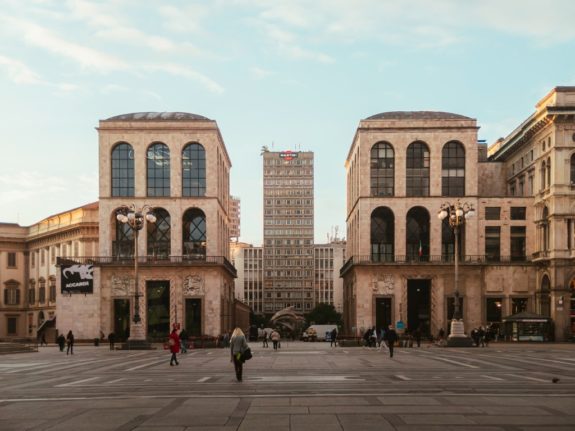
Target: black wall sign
(77, 279)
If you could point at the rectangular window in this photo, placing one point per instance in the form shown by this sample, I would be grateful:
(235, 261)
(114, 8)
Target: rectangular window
(12, 325)
(52, 290)
(519, 305)
(530, 185)
(492, 243)
(518, 213)
(517, 243)
(42, 257)
(11, 260)
(492, 213)
(493, 308)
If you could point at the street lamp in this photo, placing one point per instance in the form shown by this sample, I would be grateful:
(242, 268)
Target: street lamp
(136, 218)
(457, 213)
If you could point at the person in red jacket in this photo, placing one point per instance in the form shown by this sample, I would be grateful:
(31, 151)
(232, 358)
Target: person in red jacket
(174, 342)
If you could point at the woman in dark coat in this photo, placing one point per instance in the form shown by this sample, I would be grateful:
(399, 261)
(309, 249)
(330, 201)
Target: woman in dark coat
(238, 345)
(70, 342)
(174, 342)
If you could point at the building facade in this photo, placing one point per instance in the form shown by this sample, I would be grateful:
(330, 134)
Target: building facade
(328, 285)
(248, 261)
(288, 196)
(235, 218)
(514, 254)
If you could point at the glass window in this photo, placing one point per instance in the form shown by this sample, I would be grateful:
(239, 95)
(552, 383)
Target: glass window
(517, 243)
(11, 295)
(52, 288)
(417, 175)
(31, 295)
(417, 234)
(11, 260)
(545, 297)
(382, 169)
(493, 308)
(123, 246)
(453, 169)
(492, 213)
(492, 243)
(382, 235)
(518, 305)
(518, 213)
(12, 325)
(572, 170)
(193, 170)
(123, 170)
(159, 234)
(158, 161)
(194, 233)
(545, 228)
(448, 240)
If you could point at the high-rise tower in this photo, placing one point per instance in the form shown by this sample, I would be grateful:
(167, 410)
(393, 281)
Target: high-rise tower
(288, 230)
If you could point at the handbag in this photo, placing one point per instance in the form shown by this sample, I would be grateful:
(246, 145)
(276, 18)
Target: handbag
(247, 354)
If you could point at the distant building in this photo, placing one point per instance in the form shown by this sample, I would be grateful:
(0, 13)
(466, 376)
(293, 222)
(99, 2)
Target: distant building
(235, 218)
(288, 230)
(248, 261)
(328, 285)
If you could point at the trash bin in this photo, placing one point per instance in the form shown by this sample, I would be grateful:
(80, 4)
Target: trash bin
(96, 342)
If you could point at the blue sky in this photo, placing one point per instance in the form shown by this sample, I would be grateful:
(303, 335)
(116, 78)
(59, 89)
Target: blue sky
(298, 74)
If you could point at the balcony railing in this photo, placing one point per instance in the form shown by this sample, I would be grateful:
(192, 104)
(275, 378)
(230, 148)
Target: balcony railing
(429, 260)
(188, 260)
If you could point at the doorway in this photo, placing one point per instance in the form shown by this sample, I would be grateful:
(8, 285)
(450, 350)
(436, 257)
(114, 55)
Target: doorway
(122, 319)
(158, 309)
(419, 306)
(194, 317)
(382, 313)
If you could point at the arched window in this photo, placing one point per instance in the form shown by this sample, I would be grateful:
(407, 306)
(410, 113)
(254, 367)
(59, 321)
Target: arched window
(545, 228)
(193, 170)
(382, 235)
(194, 233)
(453, 169)
(158, 161)
(159, 234)
(123, 245)
(123, 170)
(417, 234)
(573, 170)
(448, 241)
(382, 169)
(417, 175)
(545, 297)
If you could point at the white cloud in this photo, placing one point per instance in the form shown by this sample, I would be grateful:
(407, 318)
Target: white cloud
(18, 72)
(186, 19)
(260, 73)
(25, 185)
(186, 72)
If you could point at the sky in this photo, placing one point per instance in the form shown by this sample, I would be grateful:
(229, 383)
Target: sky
(289, 74)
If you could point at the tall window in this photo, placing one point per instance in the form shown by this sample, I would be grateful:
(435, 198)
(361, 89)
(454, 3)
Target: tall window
(158, 161)
(545, 297)
(123, 170)
(545, 229)
(493, 243)
(11, 260)
(193, 170)
(543, 169)
(382, 169)
(572, 169)
(493, 308)
(417, 234)
(124, 244)
(11, 293)
(453, 169)
(52, 288)
(159, 234)
(448, 240)
(194, 233)
(32, 293)
(42, 291)
(517, 243)
(549, 172)
(519, 305)
(417, 175)
(382, 235)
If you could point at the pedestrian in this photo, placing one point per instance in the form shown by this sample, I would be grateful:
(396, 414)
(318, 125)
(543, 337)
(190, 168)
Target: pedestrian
(174, 343)
(366, 337)
(112, 340)
(238, 346)
(391, 338)
(481, 336)
(61, 342)
(373, 337)
(184, 340)
(275, 337)
(70, 343)
(43, 340)
(417, 336)
(265, 340)
(333, 338)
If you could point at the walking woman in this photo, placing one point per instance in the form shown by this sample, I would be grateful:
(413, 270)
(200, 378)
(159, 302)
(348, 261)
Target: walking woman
(174, 342)
(70, 343)
(238, 345)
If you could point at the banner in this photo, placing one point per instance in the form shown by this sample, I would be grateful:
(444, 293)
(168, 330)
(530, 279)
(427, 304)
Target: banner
(77, 279)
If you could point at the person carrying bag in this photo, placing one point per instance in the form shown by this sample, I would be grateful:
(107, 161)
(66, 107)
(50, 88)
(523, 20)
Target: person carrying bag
(239, 351)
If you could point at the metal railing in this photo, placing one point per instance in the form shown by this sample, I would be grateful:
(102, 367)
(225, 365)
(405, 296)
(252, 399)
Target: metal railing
(189, 260)
(429, 260)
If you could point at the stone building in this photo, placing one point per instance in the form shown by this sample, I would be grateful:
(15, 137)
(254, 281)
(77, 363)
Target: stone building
(514, 255)
(328, 285)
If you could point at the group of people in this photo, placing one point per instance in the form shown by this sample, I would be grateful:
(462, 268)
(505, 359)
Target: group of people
(384, 339)
(67, 341)
(274, 336)
(481, 336)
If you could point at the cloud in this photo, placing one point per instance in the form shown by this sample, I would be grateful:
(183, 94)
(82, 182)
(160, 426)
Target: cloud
(260, 73)
(186, 72)
(186, 19)
(18, 72)
(24, 185)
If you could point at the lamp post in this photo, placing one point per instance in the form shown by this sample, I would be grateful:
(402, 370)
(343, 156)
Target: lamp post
(136, 218)
(457, 213)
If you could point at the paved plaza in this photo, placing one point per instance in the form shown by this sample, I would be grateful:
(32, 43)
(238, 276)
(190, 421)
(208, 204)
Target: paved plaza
(302, 386)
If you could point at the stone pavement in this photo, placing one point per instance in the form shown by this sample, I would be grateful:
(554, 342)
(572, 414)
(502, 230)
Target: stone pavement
(301, 387)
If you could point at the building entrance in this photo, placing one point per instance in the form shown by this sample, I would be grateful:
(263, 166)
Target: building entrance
(121, 319)
(419, 306)
(382, 313)
(194, 317)
(158, 309)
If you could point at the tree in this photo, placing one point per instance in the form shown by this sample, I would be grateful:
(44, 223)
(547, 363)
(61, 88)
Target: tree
(324, 314)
